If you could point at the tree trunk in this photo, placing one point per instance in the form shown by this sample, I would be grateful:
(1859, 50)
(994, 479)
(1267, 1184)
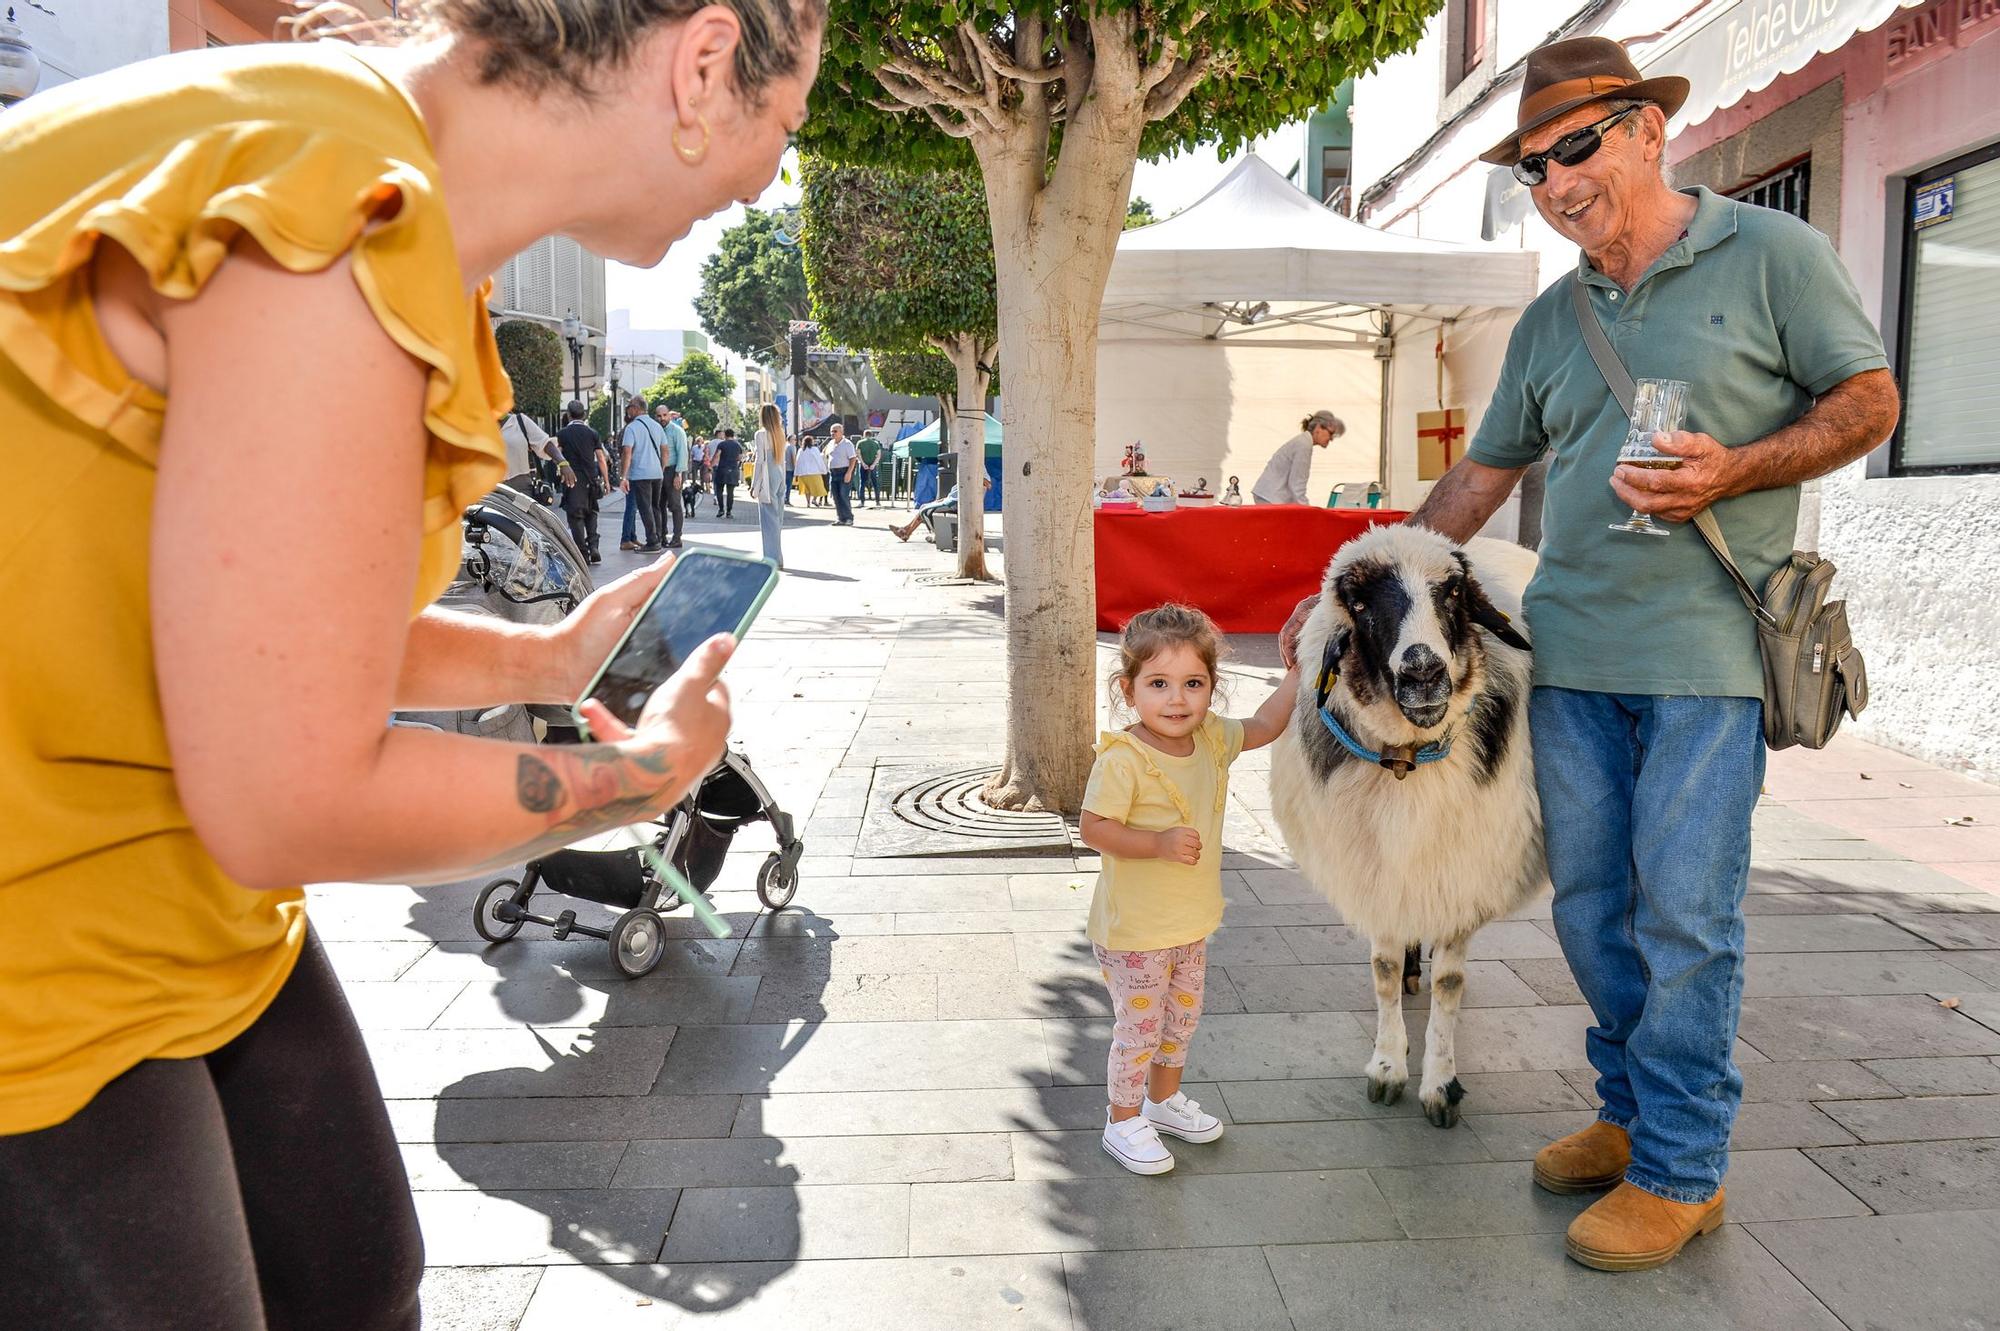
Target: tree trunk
(1054, 238)
(968, 437)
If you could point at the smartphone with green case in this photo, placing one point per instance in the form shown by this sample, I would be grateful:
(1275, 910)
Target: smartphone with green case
(704, 593)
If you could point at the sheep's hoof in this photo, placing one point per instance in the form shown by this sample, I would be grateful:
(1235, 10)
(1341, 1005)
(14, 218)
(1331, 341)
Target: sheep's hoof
(1385, 1088)
(1441, 1105)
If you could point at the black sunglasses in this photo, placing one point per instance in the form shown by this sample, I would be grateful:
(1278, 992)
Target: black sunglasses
(1571, 149)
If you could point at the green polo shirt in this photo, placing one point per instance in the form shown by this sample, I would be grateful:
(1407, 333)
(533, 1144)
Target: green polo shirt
(1754, 310)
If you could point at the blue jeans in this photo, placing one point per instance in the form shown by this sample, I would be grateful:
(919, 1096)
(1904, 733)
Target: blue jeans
(841, 507)
(771, 522)
(1646, 804)
(629, 533)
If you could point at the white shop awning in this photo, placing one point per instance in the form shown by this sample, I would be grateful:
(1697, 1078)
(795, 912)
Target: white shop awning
(1745, 45)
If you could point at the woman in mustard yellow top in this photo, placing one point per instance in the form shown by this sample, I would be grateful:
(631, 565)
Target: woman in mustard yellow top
(248, 383)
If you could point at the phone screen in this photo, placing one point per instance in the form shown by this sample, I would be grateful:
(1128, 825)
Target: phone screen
(702, 596)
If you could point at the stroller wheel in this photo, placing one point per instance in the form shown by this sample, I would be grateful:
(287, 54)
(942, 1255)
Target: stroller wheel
(637, 941)
(776, 888)
(491, 927)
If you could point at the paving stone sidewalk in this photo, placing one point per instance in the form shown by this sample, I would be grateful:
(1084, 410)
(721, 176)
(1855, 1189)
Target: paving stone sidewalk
(881, 1106)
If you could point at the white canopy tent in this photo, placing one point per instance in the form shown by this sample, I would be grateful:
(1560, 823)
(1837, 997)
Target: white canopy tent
(1240, 297)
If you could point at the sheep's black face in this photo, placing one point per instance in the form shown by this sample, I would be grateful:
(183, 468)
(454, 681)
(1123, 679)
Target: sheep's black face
(1414, 640)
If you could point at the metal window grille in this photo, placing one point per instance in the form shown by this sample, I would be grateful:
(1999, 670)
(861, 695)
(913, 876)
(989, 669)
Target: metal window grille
(1786, 191)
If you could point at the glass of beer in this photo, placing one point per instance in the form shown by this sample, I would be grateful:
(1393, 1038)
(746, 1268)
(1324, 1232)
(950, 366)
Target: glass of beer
(1658, 407)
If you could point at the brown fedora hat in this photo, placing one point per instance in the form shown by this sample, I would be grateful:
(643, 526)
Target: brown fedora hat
(1565, 75)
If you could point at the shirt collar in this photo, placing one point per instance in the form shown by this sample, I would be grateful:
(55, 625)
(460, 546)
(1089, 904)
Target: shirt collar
(1714, 221)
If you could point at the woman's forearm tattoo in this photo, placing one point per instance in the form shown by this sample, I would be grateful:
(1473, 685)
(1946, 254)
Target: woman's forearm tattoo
(584, 789)
(539, 789)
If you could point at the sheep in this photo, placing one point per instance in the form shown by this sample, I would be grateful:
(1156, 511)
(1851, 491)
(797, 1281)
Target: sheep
(1410, 651)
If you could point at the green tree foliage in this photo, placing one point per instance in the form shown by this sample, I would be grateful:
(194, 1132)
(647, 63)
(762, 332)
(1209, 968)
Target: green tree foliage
(896, 260)
(1228, 70)
(752, 287)
(922, 374)
(693, 388)
(916, 373)
(533, 356)
(1139, 213)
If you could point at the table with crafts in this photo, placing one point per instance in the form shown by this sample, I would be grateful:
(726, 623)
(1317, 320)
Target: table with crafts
(1247, 567)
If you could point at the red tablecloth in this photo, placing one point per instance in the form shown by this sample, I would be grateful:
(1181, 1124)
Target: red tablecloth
(1247, 567)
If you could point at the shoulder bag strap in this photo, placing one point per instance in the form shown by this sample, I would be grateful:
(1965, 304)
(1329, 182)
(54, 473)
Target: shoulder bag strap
(1619, 380)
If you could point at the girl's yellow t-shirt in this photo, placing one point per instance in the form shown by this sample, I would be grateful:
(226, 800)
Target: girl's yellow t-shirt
(1144, 905)
(125, 940)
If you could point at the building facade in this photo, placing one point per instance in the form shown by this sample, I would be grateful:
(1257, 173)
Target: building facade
(553, 278)
(1877, 122)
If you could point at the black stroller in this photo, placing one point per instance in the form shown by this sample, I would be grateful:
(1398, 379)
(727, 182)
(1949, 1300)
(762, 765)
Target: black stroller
(693, 837)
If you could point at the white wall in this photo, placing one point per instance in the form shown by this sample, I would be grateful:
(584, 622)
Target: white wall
(1216, 410)
(1916, 553)
(81, 39)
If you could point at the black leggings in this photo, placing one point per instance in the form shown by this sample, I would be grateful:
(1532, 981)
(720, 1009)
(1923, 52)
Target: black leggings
(258, 1187)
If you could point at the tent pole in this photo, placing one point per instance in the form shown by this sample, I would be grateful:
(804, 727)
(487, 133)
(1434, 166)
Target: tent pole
(1388, 364)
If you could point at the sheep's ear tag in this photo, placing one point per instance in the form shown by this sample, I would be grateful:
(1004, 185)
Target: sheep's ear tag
(1401, 760)
(1329, 667)
(1496, 621)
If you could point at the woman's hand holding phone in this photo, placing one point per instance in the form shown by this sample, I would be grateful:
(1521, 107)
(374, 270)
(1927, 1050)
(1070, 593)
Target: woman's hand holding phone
(685, 723)
(579, 644)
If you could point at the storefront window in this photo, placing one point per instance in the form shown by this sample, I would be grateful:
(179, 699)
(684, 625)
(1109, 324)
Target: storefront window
(1951, 341)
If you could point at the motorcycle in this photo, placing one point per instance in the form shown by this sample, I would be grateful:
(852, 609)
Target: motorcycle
(520, 564)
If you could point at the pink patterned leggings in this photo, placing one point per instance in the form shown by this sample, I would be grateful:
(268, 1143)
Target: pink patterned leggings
(1156, 1004)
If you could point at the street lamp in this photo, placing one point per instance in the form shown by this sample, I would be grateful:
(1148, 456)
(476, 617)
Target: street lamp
(20, 70)
(572, 331)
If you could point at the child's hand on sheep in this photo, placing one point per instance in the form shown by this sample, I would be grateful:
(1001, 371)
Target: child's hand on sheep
(1178, 845)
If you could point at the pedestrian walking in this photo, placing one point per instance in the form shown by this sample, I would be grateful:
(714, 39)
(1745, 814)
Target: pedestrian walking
(585, 475)
(192, 719)
(641, 449)
(870, 449)
(1647, 707)
(1153, 809)
(728, 472)
(812, 473)
(843, 460)
(770, 450)
(526, 442)
(676, 465)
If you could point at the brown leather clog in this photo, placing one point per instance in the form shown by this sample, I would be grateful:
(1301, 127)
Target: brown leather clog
(1584, 1161)
(1630, 1229)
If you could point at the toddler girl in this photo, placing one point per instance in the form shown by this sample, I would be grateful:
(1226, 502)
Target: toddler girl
(1154, 811)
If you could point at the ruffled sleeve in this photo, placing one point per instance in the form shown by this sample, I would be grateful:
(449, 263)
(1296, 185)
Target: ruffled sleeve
(306, 195)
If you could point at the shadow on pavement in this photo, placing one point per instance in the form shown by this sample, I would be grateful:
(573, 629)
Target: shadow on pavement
(636, 1229)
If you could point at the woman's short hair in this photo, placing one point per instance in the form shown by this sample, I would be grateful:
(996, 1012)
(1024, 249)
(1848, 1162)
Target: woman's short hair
(1325, 419)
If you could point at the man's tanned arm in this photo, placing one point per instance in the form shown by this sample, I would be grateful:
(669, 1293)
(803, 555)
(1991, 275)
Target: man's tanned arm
(1464, 498)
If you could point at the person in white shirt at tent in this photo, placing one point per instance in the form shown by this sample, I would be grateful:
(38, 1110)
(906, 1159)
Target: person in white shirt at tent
(1284, 479)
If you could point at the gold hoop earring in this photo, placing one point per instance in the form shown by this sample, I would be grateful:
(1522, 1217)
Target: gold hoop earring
(692, 158)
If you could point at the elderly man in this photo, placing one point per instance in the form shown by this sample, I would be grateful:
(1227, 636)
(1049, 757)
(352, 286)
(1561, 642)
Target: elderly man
(677, 461)
(1647, 700)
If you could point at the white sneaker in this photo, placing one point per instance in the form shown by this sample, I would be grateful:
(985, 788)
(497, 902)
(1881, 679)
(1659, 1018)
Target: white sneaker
(1178, 1116)
(1135, 1145)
